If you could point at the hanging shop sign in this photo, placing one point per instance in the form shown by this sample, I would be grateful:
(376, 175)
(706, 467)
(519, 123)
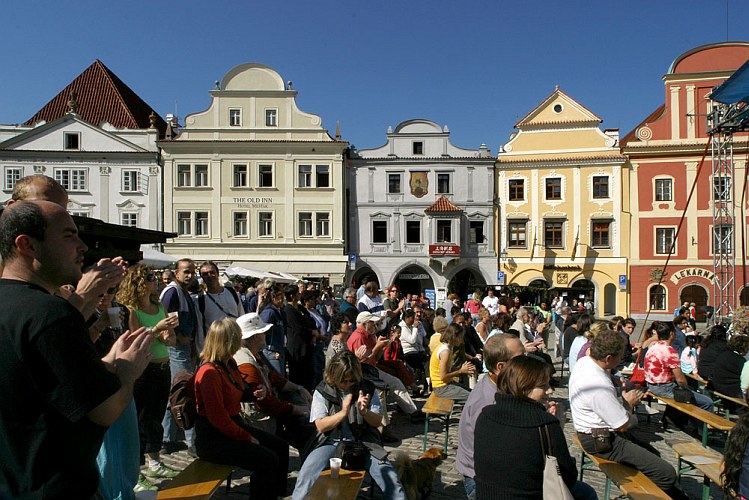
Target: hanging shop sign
(444, 250)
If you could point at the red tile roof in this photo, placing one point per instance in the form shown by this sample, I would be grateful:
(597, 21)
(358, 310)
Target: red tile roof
(101, 97)
(443, 205)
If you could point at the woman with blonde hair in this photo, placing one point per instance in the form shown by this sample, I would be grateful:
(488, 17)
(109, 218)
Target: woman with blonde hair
(220, 434)
(473, 305)
(139, 291)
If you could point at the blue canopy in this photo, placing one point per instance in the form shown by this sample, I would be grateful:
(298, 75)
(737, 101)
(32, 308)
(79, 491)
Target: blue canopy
(735, 89)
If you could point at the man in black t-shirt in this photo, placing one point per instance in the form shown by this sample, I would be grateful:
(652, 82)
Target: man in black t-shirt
(57, 396)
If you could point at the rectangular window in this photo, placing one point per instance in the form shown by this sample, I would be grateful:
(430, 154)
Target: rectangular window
(129, 219)
(201, 223)
(265, 176)
(71, 179)
(600, 186)
(271, 118)
(476, 231)
(265, 224)
(600, 234)
(517, 189)
(418, 148)
(444, 231)
(305, 223)
(184, 223)
(379, 231)
(554, 188)
(305, 176)
(553, 233)
(12, 175)
(235, 117)
(240, 175)
(721, 188)
(443, 184)
(413, 231)
(394, 183)
(722, 236)
(240, 224)
(663, 190)
(664, 239)
(183, 176)
(322, 176)
(72, 140)
(130, 180)
(322, 221)
(201, 175)
(516, 234)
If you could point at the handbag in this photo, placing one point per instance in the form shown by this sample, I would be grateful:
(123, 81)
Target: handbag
(354, 455)
(682, 394)
(553, 487)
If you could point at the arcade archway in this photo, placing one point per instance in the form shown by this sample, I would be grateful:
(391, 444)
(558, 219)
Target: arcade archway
(413, 279)
(465, 282)
(698, 295)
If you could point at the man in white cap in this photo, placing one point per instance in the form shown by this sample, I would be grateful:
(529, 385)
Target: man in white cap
(287, 403)
(367, 326)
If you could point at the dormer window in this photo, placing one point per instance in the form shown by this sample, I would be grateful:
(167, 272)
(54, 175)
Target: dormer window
(235, 117)
(418, 148)
(72, 140)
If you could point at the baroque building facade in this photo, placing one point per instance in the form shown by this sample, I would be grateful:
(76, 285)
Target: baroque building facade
(669, 155)
(99, 140)
(255, 182)
(421, 212)
(564, 224)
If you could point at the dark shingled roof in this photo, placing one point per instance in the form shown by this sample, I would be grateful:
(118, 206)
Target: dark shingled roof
(101, 97)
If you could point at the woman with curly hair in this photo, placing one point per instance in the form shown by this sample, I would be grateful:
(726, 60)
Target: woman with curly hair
(139, 291)
(735, 475)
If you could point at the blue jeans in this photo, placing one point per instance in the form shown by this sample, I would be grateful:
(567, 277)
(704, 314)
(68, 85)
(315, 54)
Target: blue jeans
(179, 359)
(382, 473)
(470, 486)
(667, 390)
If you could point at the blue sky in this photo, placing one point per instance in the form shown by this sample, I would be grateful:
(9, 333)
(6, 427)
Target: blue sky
(476, 66)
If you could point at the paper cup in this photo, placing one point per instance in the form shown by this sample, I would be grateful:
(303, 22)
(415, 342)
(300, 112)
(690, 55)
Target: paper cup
(175, 314)
(113, 313)
(335, 467)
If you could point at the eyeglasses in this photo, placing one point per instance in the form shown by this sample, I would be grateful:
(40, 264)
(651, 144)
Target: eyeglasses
(151, 277)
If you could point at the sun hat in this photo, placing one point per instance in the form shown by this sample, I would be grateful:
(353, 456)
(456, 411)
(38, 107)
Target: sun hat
(366, 316)
(252, 324)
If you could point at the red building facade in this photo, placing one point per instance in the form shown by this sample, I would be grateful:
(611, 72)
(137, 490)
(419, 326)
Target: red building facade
(668, 154)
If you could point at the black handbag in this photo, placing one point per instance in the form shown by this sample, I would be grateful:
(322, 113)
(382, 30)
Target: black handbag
(682, 394)
(354, 455)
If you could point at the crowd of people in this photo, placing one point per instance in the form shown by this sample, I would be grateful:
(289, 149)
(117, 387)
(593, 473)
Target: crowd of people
(86, 375)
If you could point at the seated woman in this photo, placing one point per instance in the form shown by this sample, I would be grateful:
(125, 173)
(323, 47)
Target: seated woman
(523, 423)
(711, 347)
(726, 376)
(444, 381)
(735, 475)
(285, 408)
(220, 434)
(345, 407)
(392, 360)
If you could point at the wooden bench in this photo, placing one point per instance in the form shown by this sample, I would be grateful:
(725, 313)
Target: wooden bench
(701, 382)
(345, 487)
(631, 482)
(439, 408)
(709, 419)
(691, 456)
(719, 397)
(199, 480)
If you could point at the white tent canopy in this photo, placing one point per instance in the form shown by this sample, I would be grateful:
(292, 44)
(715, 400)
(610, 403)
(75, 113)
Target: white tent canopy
(251, 273)
(154, 258)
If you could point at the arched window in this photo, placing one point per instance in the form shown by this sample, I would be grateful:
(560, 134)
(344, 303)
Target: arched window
(658, 298)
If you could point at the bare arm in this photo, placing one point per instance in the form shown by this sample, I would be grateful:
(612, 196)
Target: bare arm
(330, 422)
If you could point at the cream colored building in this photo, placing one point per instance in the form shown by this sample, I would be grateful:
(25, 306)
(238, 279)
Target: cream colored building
(255, 182)
(564, 211)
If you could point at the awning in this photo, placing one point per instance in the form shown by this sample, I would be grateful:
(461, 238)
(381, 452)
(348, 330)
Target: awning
(155, 258)
(298, 269)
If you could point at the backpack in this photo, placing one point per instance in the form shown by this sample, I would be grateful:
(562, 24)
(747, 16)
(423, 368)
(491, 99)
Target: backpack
(182, 400)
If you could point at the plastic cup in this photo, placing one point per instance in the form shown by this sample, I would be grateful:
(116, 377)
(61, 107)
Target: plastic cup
(113, 313)
(175, 314)
(335, 467)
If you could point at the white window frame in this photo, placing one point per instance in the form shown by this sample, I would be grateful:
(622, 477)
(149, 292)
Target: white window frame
(666, 247)
(130, 181)
(260, 175)
(449, 226)
(420, 146)
(727, 188)
(12, 176)
(263, 231)
(237, 172)
(665, 297)
(304, 179)
(306, 226)
(202, 225)
(714, 232)
(235, 219)
(184, 224)
(322, 224)
(235, 117)
(372, 231)
(399, 175)
(663, 181)
(184, 175)
(483, 231)
(201, 175)
(65, 136)
(271, 117)
(320, 171)
(74, 180)
(133, 216)
(449, 182)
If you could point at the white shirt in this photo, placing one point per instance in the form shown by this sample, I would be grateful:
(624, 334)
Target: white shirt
(577, 344)
(412, 338)
(491, 304)
(593, 400)
(232, 308)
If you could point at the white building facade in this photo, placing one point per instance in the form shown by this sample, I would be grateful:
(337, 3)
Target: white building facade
(422, 212)
(255, 182)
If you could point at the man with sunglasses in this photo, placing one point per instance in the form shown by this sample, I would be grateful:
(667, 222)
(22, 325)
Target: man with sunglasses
(215, 303)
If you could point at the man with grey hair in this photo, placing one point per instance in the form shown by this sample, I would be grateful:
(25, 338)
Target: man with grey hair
(498, 350)
(348, 305)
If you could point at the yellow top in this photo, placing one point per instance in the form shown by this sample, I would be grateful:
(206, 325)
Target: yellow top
(434, 365)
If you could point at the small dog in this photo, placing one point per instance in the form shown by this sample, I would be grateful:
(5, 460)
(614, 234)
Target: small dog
(417, 476)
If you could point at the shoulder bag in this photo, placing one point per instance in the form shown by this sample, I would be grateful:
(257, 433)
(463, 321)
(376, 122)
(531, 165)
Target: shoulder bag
(553, 487)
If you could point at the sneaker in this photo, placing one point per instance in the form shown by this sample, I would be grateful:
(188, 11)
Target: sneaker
(162, 471)
(144, 485)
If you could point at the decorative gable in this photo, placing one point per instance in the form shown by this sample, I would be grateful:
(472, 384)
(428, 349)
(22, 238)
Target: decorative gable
(558, 109)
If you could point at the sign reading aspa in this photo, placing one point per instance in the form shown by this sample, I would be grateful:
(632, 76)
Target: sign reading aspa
(692, 272)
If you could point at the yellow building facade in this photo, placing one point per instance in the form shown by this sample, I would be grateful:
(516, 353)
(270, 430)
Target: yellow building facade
(563, 220)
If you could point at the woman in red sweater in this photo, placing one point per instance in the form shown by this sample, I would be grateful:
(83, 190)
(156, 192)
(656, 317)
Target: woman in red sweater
(220, 435)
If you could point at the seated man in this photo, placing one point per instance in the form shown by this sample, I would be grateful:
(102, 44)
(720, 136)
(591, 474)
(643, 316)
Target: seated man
(601, 420)
(663, 367)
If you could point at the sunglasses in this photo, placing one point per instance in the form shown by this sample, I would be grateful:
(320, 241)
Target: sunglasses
(151, 277)
(112, 290)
